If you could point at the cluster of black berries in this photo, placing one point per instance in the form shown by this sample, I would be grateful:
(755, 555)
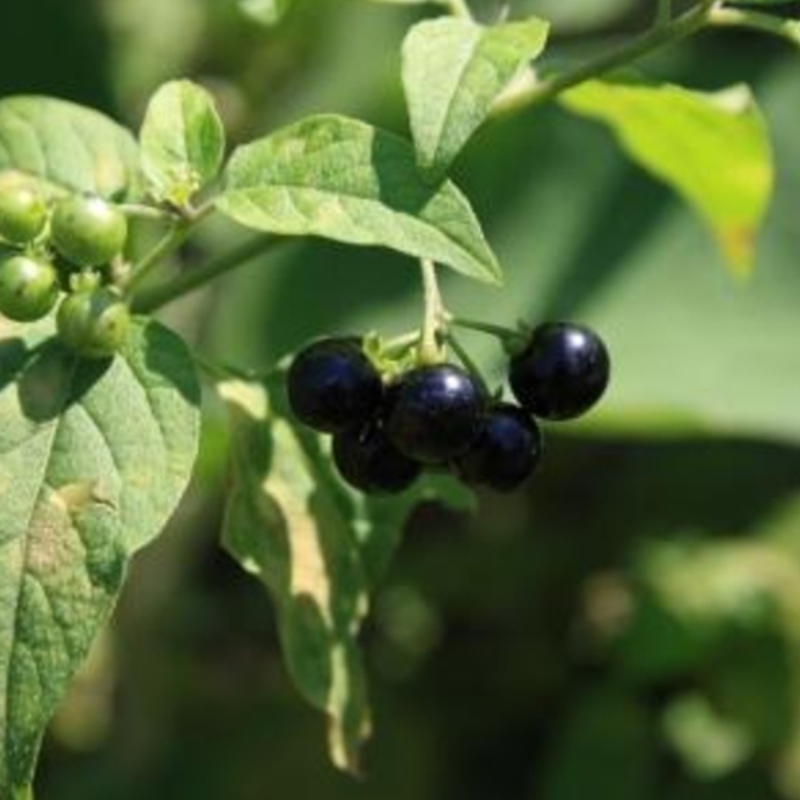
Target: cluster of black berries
(439, 415)
(59, 252)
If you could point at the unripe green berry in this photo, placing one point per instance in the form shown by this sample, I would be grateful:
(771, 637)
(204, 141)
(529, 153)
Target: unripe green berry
(88, 231)
(29, 288)
(23, 214)
(94, 324)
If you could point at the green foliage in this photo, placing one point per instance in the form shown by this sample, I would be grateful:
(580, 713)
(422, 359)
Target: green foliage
(287, 523)
(473, 65)
(345, 180)
(73, 147)
(712, 149)
(96, 454)
(183, 142)
(93, 460)
(318, 549)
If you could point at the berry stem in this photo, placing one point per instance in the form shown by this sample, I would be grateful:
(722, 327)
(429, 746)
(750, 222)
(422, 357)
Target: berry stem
(160, 296)
(402, 343)
(465, 358)
(511, 339)
(430, 351)
(146, 212)
(168, 244)
(677, 29)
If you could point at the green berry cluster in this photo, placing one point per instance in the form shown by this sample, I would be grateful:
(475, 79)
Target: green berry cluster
(57, 253)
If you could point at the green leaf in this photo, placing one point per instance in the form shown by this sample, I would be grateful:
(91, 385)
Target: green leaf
(472, 65)
(713, 149)
(342, 179)
(288, 524)
(266, 12)
(71, 146)
(94, 458)
(182, 140)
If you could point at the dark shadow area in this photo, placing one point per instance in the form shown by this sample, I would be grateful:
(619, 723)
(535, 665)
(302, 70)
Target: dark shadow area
(51, 47)
(14, 353)
(167, 355)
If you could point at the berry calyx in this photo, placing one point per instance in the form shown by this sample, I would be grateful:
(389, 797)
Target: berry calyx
(94, 324)
(88, 231)
(506, 454)
(435, 413)
(562, 373)
(23, 215)
(333, 386)
(368, 461)
(29, 288)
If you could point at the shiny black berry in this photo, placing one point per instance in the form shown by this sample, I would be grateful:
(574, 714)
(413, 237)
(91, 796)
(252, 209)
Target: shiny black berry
(506, 453)
(562, 373)
(333, 386)
(435, 413)
(368, 461)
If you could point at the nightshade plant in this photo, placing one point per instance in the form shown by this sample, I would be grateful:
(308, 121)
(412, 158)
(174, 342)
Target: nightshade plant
(100, 403)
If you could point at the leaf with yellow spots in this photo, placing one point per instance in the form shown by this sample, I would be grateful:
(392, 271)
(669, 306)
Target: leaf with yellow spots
(318, 547)
(288, 523)
(93, 460)
(712, 149)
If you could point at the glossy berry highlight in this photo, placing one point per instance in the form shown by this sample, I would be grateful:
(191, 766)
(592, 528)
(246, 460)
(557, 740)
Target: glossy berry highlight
(23, 215)
(88, 231)
(435, 413)
(506, 453)
(368, 461)
(29, 288)
(562, 373)
(333, 386)
(93, 323)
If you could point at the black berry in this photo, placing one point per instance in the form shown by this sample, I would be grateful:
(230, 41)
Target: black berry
(435, 413)
(562, 373)
(368, 461)
(333, 386)
(506, 454)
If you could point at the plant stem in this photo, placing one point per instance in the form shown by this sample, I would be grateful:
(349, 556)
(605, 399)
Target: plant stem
(160, 296)
(146, 212)
(458, 8)
(402, 343)
(170, 242)
(506, 335)
(429, 350)
(756, 21)
(675, 30)
(465, 358)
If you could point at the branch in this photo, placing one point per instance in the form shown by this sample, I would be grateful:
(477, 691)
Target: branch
(786, 29)
(655, 39)
(159, 296)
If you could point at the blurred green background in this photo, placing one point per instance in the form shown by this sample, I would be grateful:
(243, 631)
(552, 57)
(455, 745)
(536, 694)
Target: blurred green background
(630, 627)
